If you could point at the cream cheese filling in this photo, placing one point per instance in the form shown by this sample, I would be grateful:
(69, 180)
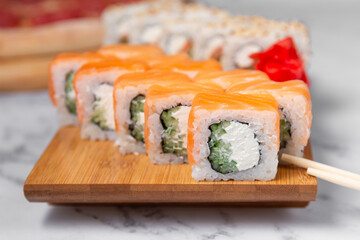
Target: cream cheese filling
(182, 115)
(243, 145)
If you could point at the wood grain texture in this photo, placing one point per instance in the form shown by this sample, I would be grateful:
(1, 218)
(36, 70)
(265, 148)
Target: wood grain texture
(72, 170)
(82, 34)
(30, 73)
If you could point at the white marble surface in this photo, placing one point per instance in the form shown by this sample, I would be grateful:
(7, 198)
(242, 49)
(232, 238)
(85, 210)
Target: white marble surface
(28, 121)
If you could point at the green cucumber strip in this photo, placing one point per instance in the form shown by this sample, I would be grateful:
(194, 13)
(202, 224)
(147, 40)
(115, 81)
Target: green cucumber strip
(172, 141)
(70, 100)
(136, 110)
(98, 117)
(220, 151)
(285, 134)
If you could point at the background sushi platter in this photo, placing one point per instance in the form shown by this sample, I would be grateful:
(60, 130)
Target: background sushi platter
(66, 173)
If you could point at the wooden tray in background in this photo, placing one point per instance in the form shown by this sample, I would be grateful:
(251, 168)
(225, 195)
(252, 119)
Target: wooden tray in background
(72, 170)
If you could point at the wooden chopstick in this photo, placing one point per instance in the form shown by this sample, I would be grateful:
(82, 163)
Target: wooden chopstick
(325, 172)
(305, 163)
(334, 178)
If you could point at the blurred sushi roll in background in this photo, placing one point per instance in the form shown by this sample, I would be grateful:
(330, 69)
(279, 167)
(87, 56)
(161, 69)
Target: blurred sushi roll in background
(294, 102)
(130, 91)
(117, 21)
(166, 120)
(233, 137)
(210, 40)
(181, 32)
(61, 74)
(93, 85)
(258, 34)
(203, 32)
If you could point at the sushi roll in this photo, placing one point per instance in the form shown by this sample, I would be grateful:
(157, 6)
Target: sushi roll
(118, 21)
(210, 40)
(233, 137)
(129, 97)
(180, 33)
(166, 119)
(61, 74)
(178, 36)
(149, 27)
(190, 67)
(294, 103)
(225, 79)
(135, 52)
(258, 36)
(93, 84)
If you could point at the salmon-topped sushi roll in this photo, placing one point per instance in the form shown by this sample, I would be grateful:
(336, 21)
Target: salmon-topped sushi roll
(233, 137)
(61, 74)
(226, 78)
(166, 117)
(190, 68)
(294, 102)
(129, 97)
(93, 84)
(125, 51)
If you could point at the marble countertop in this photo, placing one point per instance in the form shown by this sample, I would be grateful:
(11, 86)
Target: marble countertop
(28, 122)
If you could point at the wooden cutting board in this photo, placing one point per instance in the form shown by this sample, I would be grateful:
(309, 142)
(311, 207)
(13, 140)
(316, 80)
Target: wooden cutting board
(72, 170)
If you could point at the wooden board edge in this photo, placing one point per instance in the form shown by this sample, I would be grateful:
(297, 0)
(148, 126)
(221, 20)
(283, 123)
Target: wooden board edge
(112, 194)
(198, 205)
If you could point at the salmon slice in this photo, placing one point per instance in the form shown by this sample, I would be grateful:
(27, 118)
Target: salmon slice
(124, 51)
(173, 59)
(224, 79)
(190, 68)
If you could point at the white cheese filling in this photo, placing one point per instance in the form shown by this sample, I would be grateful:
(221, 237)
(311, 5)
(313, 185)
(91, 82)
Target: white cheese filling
(215, 43)
(71, 95)
(141, 120)
(242, 59)
(152, 34)
(177, 43)
(105, 93)
(182, 115)
(243, 144)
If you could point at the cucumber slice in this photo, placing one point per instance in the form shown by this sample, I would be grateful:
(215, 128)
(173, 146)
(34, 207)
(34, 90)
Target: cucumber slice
(285, 133)
(98, 117)
(70, 101)
(220, 151)
(137, 118)
(172, 140)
